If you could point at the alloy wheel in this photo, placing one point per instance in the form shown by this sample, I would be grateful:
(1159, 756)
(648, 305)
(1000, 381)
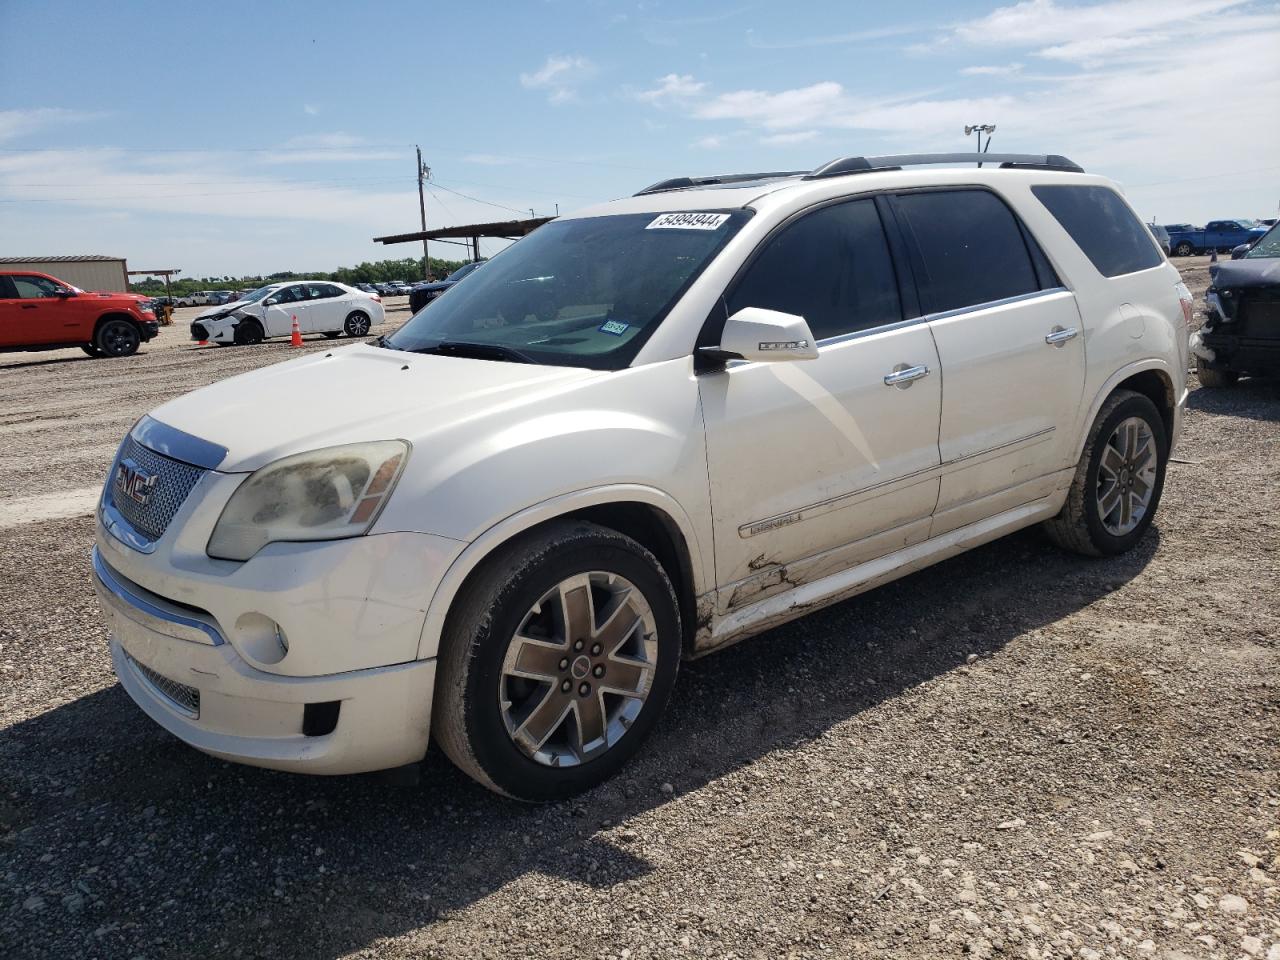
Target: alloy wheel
(119, 338)
(578, 669)
(1126, 476)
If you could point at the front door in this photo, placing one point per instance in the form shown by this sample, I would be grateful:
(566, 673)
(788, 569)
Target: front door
(39, 314)
(289, 302)
(1010, 339)
(817, 465)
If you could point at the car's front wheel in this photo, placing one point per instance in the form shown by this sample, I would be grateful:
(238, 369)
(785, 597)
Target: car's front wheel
(1118, 481)
(117, 338)
(556, 661)
(248, 332)
(91, 349)
(357, 324)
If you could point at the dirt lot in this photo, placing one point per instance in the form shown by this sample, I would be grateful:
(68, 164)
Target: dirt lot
(1016, 753)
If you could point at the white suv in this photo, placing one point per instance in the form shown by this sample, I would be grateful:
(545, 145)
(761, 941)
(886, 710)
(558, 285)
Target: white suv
(644, 432)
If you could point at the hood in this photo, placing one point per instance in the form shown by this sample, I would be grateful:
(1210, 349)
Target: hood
(109, 295)
(221, 308)
(354, 394)
(1239, 274)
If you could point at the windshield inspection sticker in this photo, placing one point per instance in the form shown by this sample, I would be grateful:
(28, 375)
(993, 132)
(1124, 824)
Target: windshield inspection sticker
(616, 327)
(689, 221)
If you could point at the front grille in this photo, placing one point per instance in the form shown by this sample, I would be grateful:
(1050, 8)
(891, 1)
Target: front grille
(198, 332)
(174, 481)
(186, 699)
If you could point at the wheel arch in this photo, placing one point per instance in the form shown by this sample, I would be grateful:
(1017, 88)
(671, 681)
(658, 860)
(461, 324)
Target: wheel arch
(1153, 380)
(114, 315)
(647, 515)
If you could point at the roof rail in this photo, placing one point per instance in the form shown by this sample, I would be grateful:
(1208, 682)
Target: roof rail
(683, 183)
(1008, 161)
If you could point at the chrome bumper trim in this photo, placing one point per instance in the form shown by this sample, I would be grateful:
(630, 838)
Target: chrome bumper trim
(128, 602)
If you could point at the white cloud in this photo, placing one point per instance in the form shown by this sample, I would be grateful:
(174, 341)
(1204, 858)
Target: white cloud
(674, 86)
(336, 147)
(709, 143)
(801, 107)
(800, 136)
(1035, 22)
(310, 109)
(559, 76)
(1094, 51)
(488, 159)
(835, 39)
(991, 71)
(20, 123)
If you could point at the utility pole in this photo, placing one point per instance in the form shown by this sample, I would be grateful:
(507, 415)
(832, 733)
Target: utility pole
(423, 172)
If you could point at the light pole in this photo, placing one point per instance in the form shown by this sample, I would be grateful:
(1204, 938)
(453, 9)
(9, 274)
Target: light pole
(980, 129)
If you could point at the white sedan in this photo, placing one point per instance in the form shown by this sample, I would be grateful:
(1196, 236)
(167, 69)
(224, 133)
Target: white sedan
(320, 306)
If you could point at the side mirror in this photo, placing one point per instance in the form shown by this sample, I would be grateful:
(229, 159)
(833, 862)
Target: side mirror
(765, 336)
(271, 301)
(64, 292)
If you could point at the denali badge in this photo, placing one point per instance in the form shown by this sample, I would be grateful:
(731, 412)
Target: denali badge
(134, 482)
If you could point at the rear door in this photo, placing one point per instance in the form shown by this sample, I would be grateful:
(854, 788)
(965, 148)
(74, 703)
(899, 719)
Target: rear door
(1009, 340)
(821, 464)
(330, 308)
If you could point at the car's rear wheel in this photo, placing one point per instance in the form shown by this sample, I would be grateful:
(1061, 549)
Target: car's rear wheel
(1118, 481)
(117, 338)
(556, 662)
(1209, 377)
(1183, 249)
(248, 332)
(357, 324)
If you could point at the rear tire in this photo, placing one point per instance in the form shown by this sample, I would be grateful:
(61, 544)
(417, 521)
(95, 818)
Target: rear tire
(601, 612)
(1106, 512)
(1209, 377)
(1183, 249)
(357, 324)
(117, 338)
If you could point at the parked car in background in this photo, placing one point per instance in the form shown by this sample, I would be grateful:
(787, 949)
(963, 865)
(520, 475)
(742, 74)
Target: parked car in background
(366, 287)
(200, 298)
(1217, 235)
(646, 431)
(420, 294)
(1161, 235)
(222, 296)
(41, 312)
(1241, 332)
(321, 306)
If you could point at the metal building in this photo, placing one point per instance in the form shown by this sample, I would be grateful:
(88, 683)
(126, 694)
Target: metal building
(88, 272)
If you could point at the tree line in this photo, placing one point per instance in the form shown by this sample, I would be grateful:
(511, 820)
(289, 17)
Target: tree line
(380, 271)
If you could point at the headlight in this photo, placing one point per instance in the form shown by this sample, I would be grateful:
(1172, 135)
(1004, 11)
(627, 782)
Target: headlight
(324, 494)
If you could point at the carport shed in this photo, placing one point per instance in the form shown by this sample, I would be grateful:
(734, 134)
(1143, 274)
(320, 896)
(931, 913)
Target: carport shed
(86, 271)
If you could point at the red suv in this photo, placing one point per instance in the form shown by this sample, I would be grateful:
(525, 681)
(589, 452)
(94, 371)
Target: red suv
(40, 312)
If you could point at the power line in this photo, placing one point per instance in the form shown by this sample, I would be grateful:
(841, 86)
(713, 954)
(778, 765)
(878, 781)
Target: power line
(500, 206)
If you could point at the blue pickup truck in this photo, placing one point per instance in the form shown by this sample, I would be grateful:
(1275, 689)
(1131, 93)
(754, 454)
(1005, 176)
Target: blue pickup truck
(1220, 235)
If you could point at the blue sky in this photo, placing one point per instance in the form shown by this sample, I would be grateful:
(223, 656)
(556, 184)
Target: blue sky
(244, 137)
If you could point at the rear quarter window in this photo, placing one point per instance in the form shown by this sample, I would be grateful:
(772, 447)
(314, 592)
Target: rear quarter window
(1103, 226)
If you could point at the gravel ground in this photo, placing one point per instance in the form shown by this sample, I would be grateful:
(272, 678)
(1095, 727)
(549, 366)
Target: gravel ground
(1015, 753)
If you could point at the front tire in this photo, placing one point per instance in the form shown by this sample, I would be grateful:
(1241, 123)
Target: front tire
(1183, 249)
(556, 662)
(1118, 481)
(357, 324)
(117, 338)
(247, 333)
(1209, 377)
(91, 350)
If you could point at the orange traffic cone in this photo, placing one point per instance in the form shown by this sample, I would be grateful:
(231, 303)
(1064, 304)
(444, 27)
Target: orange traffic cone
(295, 338)
(202, 343)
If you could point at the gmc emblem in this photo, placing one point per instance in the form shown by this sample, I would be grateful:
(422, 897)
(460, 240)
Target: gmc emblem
(134, 482)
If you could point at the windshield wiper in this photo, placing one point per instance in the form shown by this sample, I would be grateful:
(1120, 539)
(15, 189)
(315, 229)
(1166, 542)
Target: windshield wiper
(478, 351)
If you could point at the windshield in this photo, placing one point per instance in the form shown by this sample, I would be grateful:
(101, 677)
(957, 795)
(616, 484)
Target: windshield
(578, 293)
(462, 271)
(258, 294)
(1268, 245)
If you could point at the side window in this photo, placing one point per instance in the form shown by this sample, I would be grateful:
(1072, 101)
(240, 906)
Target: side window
(6, 289)
(34, 288)
(832, 267)
(972, 246)
(288, 295)
(328, 291)
(1103, 226)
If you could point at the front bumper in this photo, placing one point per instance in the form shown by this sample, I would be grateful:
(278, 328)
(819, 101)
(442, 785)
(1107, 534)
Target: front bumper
(177, 666)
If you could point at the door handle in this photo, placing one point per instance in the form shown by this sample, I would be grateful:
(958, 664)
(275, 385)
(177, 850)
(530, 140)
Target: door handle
(903, 375)
(1059, 335)
(28, 306)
